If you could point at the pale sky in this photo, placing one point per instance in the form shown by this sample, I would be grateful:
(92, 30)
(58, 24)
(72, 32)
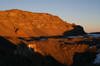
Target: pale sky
(81, 12)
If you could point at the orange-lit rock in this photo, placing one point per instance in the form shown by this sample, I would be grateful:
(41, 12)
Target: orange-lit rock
(58, 50)
(32, 24)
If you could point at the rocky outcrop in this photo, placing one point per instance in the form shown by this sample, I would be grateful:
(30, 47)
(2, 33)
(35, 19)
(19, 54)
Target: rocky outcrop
(78, 30)
(63, 52)
(60, 52)
(12, 55)
(49, 51)
(29, 24)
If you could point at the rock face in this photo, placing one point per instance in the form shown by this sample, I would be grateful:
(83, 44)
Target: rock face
(41, 39)
(50, 52)
(59, 51)
(27, 24)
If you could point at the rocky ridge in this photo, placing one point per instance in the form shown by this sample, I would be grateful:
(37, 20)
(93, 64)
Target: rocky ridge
(29, 24)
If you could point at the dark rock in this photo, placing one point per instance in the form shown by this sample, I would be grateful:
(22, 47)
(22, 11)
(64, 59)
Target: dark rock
(78, 30)
(84, 59)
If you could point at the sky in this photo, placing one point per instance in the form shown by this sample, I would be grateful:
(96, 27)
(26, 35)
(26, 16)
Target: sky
(81, 12)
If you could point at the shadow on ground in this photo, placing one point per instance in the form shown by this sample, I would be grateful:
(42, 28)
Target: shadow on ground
(84, 59)
(78, 30)
(12, 55)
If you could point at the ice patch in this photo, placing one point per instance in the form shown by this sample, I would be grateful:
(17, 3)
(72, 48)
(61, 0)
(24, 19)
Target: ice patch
(91, 47)
(29, 48)
(97, 60)
(42, 39)
(75, 36)
(94, 35)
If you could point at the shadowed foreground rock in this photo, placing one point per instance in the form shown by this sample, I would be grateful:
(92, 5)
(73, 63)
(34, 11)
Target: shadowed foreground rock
(50, 52)
(12, 55)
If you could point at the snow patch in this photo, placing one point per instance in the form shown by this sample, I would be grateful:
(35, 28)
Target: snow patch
(97, 60)
(29, 47)
(42, 39)
(94, 35)
(75, 36)
(91, 47)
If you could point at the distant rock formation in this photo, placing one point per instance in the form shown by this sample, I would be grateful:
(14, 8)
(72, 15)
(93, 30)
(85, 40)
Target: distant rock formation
(20, 23)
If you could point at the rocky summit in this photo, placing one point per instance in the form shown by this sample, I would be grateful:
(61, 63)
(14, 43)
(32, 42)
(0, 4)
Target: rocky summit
(41, 39)
(28, 24)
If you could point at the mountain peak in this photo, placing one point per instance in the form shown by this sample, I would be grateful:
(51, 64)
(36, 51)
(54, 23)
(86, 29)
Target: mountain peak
(32, 24)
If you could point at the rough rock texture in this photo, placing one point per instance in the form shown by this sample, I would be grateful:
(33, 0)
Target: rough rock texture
(48, 51)
(27, 24)
(66, 51)
(61, 52)
(12, 55)
(41, 39)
